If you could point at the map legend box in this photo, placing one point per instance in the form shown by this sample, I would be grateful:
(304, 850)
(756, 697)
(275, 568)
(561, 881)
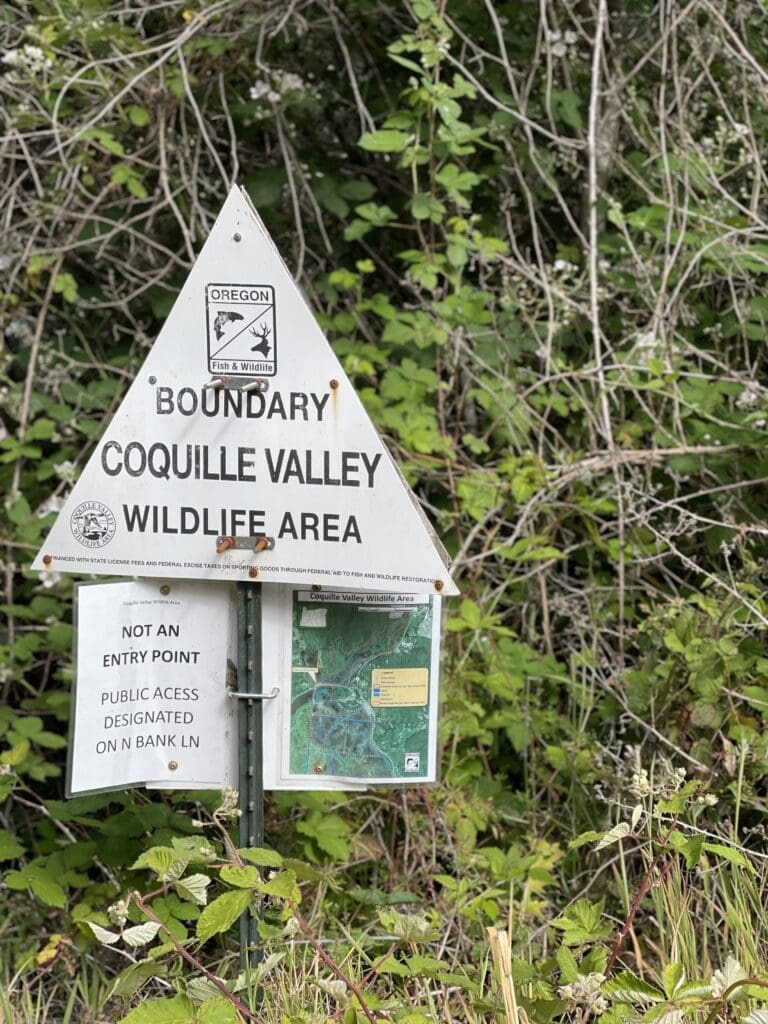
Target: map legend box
(399, 687)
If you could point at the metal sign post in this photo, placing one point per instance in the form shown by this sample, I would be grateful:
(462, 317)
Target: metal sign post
(251, 785)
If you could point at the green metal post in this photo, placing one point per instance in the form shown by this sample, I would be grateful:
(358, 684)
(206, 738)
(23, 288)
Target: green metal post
(250, 734)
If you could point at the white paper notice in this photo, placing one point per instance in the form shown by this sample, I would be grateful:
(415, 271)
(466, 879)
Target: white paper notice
(150, 692)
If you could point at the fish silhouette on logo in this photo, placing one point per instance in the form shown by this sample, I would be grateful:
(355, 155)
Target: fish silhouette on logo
(222, 319)
(262, 345)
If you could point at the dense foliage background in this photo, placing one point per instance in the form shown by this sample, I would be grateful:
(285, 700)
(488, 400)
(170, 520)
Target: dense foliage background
(536, 236)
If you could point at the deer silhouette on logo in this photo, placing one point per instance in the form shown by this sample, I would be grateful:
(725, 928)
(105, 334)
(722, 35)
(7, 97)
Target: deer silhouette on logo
(262, 344)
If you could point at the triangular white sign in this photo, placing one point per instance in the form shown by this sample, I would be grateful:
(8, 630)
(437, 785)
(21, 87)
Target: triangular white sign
(183, 470)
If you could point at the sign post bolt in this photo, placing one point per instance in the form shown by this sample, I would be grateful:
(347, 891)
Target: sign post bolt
(224, 544)
(47, 559)
(439, 585)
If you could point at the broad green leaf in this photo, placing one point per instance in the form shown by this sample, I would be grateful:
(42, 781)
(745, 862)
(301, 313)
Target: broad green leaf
(9, 847)
(244, 878)
(566, 961)
(16, 754)
(385, 140)
(222, 913)
(730, 854)
(141, 934)
(673, 976)
(627, 988)
(193, 888)
(217, 1011)
(178, 1010)
(584, 838)
(262, 857)
(132, 978)
(613, 835)
(157, 858)
(48, 890)
(106, 937)
(283, 886)
(139, 116)
(391, 966)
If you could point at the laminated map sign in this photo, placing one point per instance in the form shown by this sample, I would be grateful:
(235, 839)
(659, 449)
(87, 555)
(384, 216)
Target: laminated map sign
(358, 679)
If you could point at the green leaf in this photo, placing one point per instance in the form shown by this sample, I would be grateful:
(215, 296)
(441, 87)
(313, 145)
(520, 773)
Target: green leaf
(385, 140)
(673, 976)
(613, 835)
(140, 934)
(16, 754)
(178, 1010)
(222, 913)
(730, 854)
(132, 978)
(262, 857)
(391, 966)
(566, 961)
(284, 886)
(166, 863)
(47, 889)
(139, 116)
(9, 847)
(244, 878)
(425, 206)
(627, 988)
(193, 888)
(105, 937)
(217, 1011)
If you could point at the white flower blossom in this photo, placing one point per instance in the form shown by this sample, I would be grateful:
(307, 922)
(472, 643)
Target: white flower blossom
(749, 396)
(54, 503)
(27, 62)
(65, 470)
(49, 579)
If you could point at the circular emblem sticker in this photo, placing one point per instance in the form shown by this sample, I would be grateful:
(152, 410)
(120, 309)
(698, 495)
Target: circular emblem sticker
(93, 524)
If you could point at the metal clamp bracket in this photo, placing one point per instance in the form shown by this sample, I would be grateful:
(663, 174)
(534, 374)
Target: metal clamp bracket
(223, 383)
(259, 542)
(254, 696)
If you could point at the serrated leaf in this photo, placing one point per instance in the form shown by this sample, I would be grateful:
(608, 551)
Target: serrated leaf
(613, 835)
(105, 937)
(132, 978)
(673, 976)
(47, 890)
(391, 966)
(696, 989)
(386, 140)
(178, 1010)
(217, 1011)
(262, 857)
(244, 878)
(730, 854)
(583, 839)
(16, 754)
(193, 888)
(200, 990)
(9, 847)
(222, 913)
(141, 934)
(627, 988)
(756, 1017)
(566, 961)
(284, 886)
(157, 858)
